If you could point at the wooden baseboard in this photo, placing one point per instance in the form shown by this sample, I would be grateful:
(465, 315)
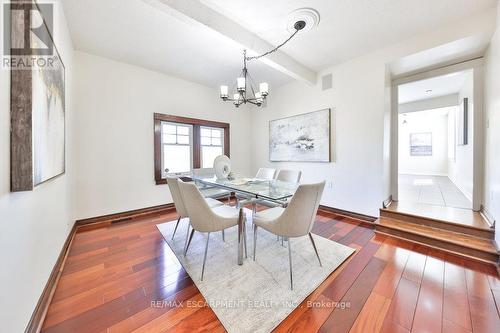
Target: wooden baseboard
(99, 221)
(38, 316)
(362, 217)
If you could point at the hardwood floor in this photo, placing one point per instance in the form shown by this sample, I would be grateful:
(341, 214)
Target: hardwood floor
(116, 278)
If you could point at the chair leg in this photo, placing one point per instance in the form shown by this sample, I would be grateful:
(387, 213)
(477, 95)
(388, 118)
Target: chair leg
(315, 249)
(245, 237)
(189, 241)
(205, 257)
(223, 236)
(290, 259)
(254, 240)
(187, 235)
(282, 240)
(277, 238)
(176, 225)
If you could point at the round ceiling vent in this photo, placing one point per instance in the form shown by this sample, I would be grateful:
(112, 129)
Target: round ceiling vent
(300, 16)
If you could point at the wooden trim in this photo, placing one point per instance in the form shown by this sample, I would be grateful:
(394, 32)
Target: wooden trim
(196, 147)
(358, 216)
(40, 311)
(127, 215)
(38, 315)
(192, 121)
(196, 123)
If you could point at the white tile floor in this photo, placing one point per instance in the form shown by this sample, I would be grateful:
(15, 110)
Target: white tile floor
(433, 190)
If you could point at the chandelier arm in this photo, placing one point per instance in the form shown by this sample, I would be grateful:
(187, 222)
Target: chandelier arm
(273, 50)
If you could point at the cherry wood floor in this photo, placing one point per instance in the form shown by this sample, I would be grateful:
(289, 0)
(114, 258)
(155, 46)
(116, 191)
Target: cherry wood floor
(113, 275)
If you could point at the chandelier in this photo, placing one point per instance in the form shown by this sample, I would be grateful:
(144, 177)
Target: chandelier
(245, 91)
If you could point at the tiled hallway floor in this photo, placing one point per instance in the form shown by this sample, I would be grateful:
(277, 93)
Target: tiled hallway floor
(433, 190)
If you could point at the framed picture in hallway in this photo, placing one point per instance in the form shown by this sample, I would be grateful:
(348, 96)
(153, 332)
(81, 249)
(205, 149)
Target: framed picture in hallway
(463, 123)
(302, 138)
(421, 144)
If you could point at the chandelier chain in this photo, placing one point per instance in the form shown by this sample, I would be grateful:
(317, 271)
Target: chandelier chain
(273, 50)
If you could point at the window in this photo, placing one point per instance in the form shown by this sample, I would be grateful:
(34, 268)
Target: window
(211, 145)
(177, 148)
(182, 144)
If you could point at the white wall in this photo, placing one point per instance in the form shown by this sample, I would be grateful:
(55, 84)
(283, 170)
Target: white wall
(360, 107)
(35, 224)
(115, 103)
(460, 171)
(492, 150)
(432, 121)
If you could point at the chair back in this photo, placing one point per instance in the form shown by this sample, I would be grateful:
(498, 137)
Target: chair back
(265, 173)
(291, 176)
(298, 218)
(201, 216)
(204, 172)
(173, 185)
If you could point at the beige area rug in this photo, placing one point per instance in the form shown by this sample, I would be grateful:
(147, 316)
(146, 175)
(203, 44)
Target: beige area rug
(256, 296)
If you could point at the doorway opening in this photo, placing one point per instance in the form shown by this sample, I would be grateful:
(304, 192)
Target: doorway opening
(436, 140)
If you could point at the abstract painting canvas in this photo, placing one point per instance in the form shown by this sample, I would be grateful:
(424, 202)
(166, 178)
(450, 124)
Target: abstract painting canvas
(301, 138)
(37, 99)
(421, 144)
(48, 122)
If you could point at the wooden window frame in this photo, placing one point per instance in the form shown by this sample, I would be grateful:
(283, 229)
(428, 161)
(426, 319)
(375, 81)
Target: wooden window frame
(196, 123)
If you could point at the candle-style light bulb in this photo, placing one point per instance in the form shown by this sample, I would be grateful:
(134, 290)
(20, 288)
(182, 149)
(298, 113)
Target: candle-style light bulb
(264, 89)
(241, 83)
(224, 92)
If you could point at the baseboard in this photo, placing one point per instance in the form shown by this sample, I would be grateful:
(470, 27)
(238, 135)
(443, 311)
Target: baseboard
(358, 216)
(123, 216)
(38, 316)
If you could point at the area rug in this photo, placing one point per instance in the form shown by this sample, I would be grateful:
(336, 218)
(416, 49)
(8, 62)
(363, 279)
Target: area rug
(256, 296)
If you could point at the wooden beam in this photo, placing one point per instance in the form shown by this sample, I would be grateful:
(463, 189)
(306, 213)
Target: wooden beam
(197, 13)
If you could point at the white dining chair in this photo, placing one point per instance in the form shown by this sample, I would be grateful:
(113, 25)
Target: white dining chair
(290, 176)
(262, 173)
(210, 191)
(173, 185)
(205, 219)
(296, 220)
(265, 173)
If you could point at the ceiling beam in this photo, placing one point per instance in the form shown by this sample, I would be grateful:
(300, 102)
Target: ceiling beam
(194, 12)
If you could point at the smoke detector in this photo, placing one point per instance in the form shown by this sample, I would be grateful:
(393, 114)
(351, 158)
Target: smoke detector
(305, 18)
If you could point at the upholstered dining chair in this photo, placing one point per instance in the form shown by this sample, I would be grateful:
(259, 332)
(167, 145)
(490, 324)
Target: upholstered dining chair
(265, 173)
(296, 220)
(210, 191)
(205, 219)
(290, 176)
(173, 185)
(262, 173)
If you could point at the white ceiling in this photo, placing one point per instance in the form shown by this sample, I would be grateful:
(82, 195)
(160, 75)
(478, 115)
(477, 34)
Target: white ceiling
(135, 32)
(439, 86)
(348, 28)
(138, 33)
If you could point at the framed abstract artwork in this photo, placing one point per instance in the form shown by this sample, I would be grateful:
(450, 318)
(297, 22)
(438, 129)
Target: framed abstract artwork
(37, 100)
(421, 144)
(301, 138)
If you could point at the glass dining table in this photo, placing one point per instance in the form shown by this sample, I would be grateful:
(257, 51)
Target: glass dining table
(275, 191)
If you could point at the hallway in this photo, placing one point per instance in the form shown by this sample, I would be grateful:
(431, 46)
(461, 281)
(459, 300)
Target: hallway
(433, 190)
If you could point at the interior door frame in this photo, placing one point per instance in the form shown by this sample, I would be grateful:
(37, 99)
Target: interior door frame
(476, 65)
